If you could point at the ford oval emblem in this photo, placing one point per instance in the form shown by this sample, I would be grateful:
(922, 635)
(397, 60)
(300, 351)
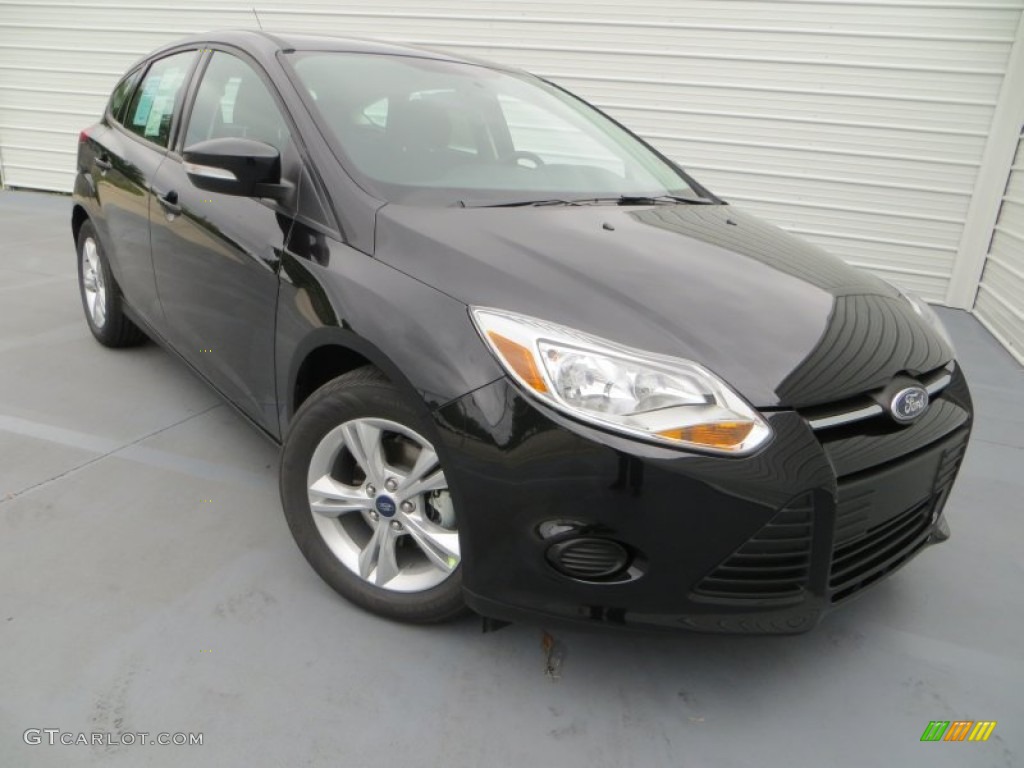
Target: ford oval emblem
(386, 505)
(908, 404)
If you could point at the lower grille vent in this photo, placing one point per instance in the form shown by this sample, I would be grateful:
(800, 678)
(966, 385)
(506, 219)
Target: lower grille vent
(773, 564)
(865, 548)
(865, 559)
(949, 464)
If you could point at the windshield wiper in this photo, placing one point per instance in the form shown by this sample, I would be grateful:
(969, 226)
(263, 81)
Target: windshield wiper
(620, 200)
(658, 200)
(520, 203)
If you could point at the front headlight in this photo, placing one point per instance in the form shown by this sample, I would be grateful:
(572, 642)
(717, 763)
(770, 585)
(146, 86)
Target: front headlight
(658, 398)
(927, 314)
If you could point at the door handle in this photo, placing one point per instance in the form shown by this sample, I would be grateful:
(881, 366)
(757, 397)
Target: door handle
(169, 201)
(103, 163)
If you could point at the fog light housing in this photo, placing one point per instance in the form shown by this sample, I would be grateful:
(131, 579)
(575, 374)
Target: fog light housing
(589, 558)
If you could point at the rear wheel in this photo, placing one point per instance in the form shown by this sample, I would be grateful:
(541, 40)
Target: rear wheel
(101, 297)
(368, 503)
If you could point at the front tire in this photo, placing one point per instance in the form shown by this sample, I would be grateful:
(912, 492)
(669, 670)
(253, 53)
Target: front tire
(101, 296)
(367, 501)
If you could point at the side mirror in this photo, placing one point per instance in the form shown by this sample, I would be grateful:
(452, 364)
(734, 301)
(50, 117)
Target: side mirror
(234, 166)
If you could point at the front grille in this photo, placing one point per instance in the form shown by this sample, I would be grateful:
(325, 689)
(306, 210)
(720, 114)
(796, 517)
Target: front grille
(872, 444)
(773, 564)
(863, 407)
(882, 549)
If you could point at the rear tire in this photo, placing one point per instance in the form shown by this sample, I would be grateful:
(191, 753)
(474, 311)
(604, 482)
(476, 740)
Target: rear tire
(101, 296)
(384, 533)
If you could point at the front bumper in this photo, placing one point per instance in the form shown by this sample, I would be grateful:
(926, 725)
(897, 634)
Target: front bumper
(762, 544)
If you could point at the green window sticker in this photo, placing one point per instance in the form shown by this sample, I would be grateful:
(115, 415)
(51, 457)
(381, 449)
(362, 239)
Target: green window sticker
(161, 106)
(142, 110)
(157, 100)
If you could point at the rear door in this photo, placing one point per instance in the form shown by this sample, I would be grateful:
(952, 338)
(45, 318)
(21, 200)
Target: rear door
(217, 256)
(141, 117)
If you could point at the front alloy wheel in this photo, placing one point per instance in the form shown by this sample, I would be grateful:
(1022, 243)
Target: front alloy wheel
(381, 503)
(368, 502)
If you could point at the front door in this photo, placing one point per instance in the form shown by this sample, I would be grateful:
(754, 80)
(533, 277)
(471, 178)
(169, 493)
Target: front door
(216, 256)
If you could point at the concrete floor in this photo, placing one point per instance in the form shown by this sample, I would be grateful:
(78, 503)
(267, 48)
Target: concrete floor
(148, 583)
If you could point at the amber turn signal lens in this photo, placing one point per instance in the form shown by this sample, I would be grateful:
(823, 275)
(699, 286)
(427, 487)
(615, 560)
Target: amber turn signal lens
(520, 360)
(721, 434)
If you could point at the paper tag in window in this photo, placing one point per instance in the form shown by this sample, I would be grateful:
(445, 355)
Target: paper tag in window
(145, 104)
(161, 106)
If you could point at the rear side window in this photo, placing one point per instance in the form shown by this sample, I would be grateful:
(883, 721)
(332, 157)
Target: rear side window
(155, 101)
(119, 98)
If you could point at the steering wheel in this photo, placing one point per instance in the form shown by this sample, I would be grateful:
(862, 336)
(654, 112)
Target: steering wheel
(532, 157)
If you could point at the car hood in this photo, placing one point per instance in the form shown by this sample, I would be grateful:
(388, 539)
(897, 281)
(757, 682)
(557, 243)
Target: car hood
(776, 317)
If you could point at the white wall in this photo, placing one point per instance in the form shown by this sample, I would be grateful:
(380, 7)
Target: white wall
(859, 124)
(1000, 301)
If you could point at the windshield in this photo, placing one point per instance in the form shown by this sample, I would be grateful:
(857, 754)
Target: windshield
(438, 132)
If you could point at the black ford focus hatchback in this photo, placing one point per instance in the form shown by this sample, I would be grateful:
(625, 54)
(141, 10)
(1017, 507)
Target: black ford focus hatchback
(517, 359)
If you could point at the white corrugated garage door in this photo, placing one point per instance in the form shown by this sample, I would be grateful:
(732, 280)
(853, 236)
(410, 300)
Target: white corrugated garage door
(1000, 302)
(859, 124)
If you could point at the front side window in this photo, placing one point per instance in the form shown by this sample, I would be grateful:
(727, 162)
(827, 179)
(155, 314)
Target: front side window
(233, 101)
(157, 98)
(440, 132)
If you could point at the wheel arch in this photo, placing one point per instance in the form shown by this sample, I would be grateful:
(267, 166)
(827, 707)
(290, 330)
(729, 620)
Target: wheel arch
(327, 353)
(78, 217)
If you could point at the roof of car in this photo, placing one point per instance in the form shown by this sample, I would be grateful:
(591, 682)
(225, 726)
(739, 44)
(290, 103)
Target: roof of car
(268, 42)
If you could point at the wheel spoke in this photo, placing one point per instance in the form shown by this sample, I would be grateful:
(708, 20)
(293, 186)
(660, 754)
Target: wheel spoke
(440, 546)
(378, 561)
(387, 560)
(363, 442)
(426, 462)
(92, 284)
(99, 312)
(425, 476)
(434, 481)
(330, 498)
